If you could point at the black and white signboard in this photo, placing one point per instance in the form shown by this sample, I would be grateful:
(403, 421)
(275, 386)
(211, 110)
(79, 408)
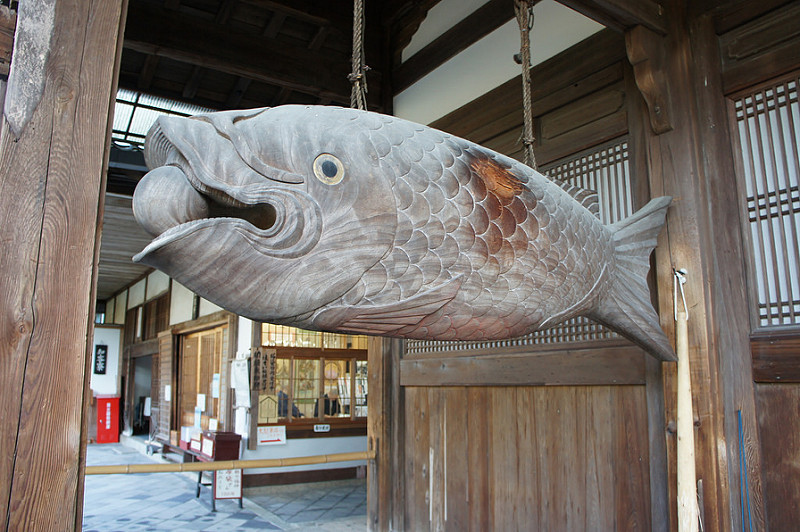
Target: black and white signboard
(100, 359)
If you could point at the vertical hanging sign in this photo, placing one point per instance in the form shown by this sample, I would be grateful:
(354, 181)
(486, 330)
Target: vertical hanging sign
(100, 359)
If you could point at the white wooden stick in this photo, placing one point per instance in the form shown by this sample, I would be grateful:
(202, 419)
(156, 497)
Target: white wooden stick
(688, 512)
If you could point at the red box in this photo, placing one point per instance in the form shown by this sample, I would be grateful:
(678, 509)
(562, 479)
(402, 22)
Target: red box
(107, 419)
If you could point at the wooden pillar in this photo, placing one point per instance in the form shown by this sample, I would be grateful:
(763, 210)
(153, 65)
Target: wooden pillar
(385, 486)
(52, 183)
(686, 144)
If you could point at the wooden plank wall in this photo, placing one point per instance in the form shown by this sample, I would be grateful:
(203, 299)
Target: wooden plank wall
(51, 189)
(779, 423)
(526, 458)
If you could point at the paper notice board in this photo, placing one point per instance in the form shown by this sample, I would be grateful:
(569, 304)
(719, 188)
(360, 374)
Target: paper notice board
(228, 484)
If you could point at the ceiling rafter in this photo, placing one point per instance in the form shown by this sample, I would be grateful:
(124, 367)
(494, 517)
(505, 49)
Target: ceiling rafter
(621, 15)
(478, 24)
(151, 30)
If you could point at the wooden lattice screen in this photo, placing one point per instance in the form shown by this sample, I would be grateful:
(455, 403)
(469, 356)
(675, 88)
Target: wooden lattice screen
(604, 169)
(768, 127)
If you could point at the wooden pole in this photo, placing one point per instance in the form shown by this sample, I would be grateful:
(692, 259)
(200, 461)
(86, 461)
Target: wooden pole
(688, 513)
(51, 190)
(229, 464)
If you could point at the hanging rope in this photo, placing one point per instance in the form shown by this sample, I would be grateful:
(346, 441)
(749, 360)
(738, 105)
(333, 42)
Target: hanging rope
(358, 95)
(523, 9)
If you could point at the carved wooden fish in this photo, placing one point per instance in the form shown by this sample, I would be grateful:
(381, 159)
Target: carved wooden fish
(343, 220)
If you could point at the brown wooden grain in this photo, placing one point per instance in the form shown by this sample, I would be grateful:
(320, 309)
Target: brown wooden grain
(779, 426)
(51, 186)
(763, 48)
(776, 359)
(455, 447)
(527, 458)
(478, 458)
(619, 365)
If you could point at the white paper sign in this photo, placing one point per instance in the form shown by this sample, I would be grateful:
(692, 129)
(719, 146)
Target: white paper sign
(215, 386)
(208, 447)
(228, 484)
(201, 401)
(240, 380)
(213, 424)
(272, 435)
(168, 393)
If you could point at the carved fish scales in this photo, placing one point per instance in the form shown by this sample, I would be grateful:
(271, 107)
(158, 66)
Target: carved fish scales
(344, 220)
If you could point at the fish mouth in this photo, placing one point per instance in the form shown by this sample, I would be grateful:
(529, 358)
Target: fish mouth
(172, 203)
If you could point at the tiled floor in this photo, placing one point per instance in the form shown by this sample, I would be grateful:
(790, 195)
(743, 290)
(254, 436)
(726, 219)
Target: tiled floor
(166, 501)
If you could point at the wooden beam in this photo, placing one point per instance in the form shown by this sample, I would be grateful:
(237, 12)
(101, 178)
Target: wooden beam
(190, 89)
(623, 364)
(480, 23)
(621, 15)
(153, 30)
(51, 189)
(237, 93)
(224, 11)
(274, 26)
(646, 53)
(385, 434)
(776, 358)
(148, 71)
(693, 163)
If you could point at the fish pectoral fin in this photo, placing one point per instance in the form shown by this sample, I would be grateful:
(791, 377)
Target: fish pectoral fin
(384, 319)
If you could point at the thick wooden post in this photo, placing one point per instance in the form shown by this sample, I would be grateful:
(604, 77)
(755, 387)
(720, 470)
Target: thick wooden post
(385, 486)
(692, 161)
(51, 189)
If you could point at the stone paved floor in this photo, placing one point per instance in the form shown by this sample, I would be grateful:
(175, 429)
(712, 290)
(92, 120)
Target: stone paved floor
(166, 501)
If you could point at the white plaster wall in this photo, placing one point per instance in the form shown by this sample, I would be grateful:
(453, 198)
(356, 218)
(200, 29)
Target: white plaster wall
(440, 18)
(120, 305)
(207, 307)
(107, 384)
(308, 447)
(136, 294)
(489, 62)
(180, 304)
(157, 284)
(243, 340)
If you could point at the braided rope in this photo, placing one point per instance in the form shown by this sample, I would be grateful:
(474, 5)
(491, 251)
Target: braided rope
(523, 9)
(358, 95)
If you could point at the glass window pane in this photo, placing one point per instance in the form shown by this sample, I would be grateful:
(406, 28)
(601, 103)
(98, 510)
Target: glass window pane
(306, 386)
(361, 388)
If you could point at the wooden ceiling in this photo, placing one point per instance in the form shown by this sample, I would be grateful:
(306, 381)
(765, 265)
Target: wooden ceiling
(238, 54)
(227, 54)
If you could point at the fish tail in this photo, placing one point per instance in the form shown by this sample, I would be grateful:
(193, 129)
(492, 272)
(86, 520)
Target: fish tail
(626, 306)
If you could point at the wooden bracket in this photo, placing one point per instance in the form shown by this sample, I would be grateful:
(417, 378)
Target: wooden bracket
(647, 53)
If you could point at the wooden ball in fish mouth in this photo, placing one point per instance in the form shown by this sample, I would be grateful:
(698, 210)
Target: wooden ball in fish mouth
(164, 198)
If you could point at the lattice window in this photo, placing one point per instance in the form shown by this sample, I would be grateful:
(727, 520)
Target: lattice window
(604, 169)
(768, 127)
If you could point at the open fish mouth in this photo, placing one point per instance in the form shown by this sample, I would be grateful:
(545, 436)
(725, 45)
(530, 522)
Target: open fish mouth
(172, 202)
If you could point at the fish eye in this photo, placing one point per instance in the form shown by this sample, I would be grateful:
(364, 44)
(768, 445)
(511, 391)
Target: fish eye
(328, 169)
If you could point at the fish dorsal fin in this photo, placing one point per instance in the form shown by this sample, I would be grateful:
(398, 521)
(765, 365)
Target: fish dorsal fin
(587, 198)
(384, 319)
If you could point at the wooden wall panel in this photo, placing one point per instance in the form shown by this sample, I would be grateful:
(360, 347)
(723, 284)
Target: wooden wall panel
(779, 424)
(527, 458)
(166, 363)
(578, 101)
(763, 48)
